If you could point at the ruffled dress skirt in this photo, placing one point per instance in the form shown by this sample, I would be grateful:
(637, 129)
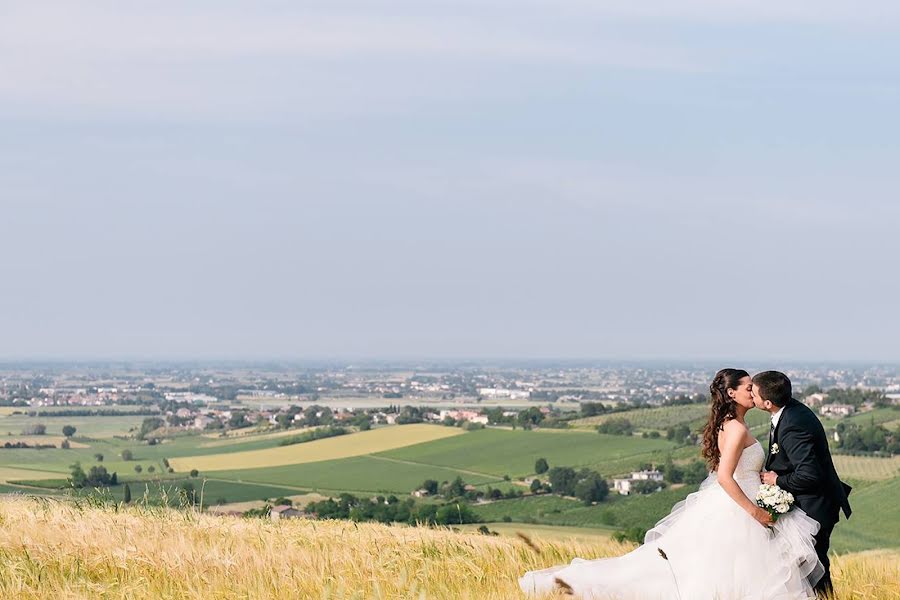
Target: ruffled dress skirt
(715, 550)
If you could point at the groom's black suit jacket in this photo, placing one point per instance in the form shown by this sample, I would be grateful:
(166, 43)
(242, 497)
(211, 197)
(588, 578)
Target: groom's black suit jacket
(804, 466)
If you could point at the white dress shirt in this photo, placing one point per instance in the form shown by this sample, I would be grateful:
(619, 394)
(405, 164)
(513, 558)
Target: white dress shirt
(775, 418)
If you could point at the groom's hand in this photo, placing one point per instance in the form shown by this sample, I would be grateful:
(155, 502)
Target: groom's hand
(769, 477)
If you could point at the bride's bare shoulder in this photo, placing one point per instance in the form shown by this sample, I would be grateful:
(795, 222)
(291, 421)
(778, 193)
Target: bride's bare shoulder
(733, 425)
(732, 428)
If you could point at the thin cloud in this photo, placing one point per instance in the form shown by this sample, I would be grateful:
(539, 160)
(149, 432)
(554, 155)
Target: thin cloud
(186, 61)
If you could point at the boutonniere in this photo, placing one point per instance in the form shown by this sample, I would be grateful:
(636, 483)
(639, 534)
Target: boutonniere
(774, 449)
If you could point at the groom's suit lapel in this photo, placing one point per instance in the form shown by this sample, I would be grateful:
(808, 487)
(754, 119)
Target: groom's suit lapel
(787, 407)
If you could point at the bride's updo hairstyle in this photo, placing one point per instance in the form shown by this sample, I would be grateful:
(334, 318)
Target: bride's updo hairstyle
(721, 409)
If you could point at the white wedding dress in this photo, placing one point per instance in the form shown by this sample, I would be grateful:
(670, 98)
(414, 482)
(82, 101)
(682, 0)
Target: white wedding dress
(715, 551)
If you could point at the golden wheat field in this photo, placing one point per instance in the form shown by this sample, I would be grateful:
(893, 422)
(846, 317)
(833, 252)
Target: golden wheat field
(60, 549)
(355, 444)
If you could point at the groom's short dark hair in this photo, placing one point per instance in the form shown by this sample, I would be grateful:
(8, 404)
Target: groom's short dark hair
(774, 386)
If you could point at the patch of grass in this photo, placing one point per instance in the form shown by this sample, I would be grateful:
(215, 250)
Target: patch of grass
(500, 452)
(356, 474)
(661, 417)
(91, 426)
(618, 512)
(876, 519)
(866, 467)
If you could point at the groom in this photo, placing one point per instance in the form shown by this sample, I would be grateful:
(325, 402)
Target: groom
(799, 461)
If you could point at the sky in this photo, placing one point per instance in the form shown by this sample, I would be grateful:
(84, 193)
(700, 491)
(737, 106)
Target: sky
(206, 179)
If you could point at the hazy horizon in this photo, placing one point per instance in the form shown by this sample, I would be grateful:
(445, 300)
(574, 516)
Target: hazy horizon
(378, 180)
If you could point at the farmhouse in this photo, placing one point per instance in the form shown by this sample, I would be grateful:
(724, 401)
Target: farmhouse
(202, 421)
(837, 410)
(815, 399)
(285, 511)
(464, 415)
(623, 485)
(504, 393)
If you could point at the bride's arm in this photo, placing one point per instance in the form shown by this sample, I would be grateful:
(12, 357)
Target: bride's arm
(731, 445)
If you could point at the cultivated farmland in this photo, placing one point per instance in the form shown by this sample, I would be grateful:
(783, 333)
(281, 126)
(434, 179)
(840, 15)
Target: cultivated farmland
(366, 442)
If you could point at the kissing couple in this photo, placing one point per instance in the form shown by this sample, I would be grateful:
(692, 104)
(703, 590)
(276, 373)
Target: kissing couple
(719, 543)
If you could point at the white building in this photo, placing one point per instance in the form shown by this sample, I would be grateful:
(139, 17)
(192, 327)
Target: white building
(191, 397)
(464, 415)
(623, 486)
(836, 410)
(202, 421)
(815, 399)
(504, 393)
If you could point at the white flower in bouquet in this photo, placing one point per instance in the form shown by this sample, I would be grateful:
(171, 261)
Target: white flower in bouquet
(774, 499)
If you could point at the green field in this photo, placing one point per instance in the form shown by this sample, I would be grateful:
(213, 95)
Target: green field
(875, 522)
(357, 474)
(867, 468)
(86, 426)
(397, 459)
(212, 490)
(618, 512)
(499, 452)
(659, 418)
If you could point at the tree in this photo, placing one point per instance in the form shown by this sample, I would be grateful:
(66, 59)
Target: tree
(695, 472)
(98, 475)
(536, 486)
(592, 409)
(65, 445)
(530, 416)
(68, 431)
(99, 457)
(541, 466)
(430, 486)
(148, 425)
(239, 419)
(810, 390)
(34, 429)
(678, 434)
(456, 488)
(194, 472)
(138, 468)
(151, 469)
(562, 480)
(616, 426)
(591, 488)
(672, 472)
(126, 498)
(127, 455)
(77, 478)
(647, 486)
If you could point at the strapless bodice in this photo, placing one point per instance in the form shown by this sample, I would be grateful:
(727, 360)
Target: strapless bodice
(752, 460)
(746, 473)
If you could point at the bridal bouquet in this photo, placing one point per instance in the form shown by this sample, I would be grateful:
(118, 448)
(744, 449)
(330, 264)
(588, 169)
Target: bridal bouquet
(774, 499)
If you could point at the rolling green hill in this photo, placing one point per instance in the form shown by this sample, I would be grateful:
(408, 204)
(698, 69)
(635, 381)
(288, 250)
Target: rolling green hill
(503, 452)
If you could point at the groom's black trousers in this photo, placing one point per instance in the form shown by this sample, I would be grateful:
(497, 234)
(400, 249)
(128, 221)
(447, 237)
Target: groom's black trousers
(823, 541)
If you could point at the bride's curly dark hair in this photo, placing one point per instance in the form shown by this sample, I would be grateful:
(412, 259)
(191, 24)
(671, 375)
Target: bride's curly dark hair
(722, 408)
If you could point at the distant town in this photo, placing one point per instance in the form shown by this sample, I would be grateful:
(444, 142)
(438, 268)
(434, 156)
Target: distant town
(229, 397)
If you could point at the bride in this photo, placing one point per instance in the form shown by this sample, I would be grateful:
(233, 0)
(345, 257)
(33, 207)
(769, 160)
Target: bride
(717, 543)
